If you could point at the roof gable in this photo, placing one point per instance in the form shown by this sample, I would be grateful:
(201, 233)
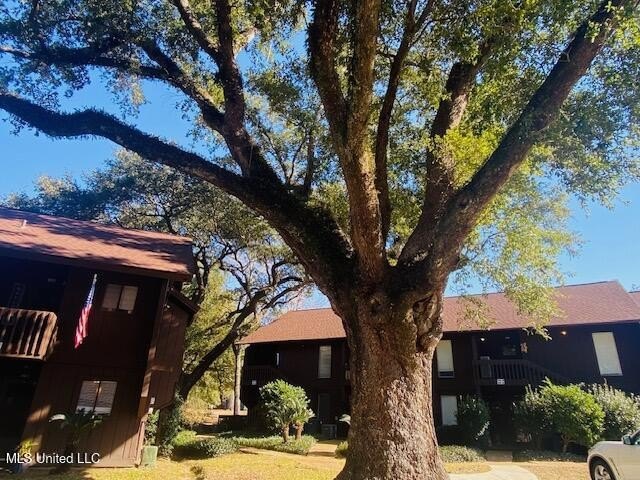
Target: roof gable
(595, 303)
(92, 244)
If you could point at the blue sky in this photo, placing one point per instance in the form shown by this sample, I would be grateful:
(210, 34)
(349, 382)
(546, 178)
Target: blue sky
(610, 237)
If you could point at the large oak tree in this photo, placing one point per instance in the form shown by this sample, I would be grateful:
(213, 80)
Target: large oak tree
(411, 120)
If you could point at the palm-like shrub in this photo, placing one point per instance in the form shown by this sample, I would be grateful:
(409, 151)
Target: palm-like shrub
(621, 411)
(286, 405)
(76, 425)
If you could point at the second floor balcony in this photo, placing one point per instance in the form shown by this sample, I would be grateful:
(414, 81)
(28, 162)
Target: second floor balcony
(259, 375)
(26, 333)
(519, 372)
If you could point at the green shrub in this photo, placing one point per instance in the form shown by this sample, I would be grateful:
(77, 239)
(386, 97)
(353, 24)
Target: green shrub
(573, 414)
(297, 447)
(621, 411)
(473, 420)
(169, 424)
(546, 456)
(341, 449)
(193, 412)
(183, 437)
(460, 454)
(286, 405)
(206, 448)
(151, 428)
(449, 453)
(564, 410)
(531, 417)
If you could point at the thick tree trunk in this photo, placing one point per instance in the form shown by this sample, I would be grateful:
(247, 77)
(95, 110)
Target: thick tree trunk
(392, 435)
(299, 430)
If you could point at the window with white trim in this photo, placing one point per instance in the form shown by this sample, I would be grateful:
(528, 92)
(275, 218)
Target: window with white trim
(324, 361)
(96, 396)
(120, 297)
(449, 407)
(444, 358)
(607, 353)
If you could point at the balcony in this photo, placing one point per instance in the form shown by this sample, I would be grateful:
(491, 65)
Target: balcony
(512, 373)
(26, 333)
(259, 375)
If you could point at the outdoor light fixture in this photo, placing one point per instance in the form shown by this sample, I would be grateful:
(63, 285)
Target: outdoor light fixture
(482, 339)
(563, 332)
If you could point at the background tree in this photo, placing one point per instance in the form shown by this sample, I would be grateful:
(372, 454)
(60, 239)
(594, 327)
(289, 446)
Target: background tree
(408, 140)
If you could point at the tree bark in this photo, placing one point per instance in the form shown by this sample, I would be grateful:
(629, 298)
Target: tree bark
(299, 430)
(392, 434)
(285, 433)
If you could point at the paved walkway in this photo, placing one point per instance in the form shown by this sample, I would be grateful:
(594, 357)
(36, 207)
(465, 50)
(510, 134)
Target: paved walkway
(498, 472)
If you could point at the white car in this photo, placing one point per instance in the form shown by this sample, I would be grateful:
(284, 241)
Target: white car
(616, 460)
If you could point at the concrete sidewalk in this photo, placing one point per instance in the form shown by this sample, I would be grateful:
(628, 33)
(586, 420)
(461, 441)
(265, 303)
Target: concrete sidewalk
(498, 472)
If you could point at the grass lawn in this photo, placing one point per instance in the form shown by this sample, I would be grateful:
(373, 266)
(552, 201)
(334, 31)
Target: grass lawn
(248, 464)
(253, 464)
(557, 470)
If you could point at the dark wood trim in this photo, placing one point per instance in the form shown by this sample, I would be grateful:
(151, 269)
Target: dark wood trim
(143, 406)
(92, 264)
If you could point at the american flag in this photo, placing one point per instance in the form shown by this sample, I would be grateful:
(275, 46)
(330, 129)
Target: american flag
(83, 322)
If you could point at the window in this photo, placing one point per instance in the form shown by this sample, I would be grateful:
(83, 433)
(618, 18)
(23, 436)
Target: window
(444, 356)
(449, 405)
(96, 396)
(324, 362)
(607, 353)
(120, 297)
(277, 359)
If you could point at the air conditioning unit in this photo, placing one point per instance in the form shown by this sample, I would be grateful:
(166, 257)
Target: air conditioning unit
(329, 430)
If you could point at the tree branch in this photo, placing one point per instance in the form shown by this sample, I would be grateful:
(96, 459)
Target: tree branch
(176, 76)
(229, 72)
(463, 209)
(349, 121)
(194, 27)
(439, 181)
(412, 25)
(310, 232)
(322, 34)
(168, 72)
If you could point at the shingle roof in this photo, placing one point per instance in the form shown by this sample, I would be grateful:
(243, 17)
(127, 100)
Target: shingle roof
(92, 244)
(594, 303)
(636, 296)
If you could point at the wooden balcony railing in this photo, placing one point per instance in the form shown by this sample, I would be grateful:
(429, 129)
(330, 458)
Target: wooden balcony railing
(513, 373)
(26, 333)
(259, 375)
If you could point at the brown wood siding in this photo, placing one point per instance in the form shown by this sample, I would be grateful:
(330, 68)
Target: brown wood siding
(573, 355)
(169, 349)
(45, 283)
(108, 332)
(57, 392)
(115, 349)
